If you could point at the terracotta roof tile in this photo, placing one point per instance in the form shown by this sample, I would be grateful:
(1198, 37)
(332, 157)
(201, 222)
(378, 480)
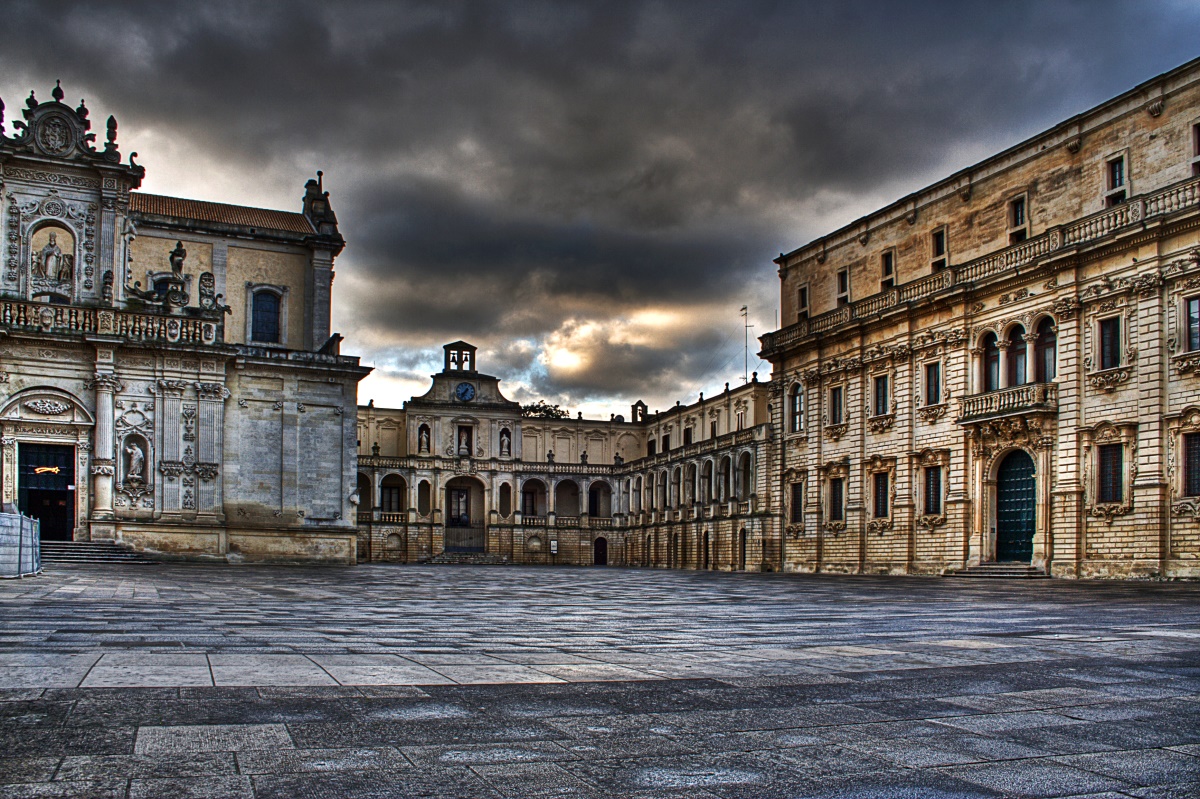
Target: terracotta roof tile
(201, 211)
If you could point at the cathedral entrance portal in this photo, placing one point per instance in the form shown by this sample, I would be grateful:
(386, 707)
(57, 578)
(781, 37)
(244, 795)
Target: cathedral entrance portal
(1016, 507)
(46, 487)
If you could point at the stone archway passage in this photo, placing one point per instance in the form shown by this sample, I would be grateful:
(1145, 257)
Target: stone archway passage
(600, 552)
(1016, 507)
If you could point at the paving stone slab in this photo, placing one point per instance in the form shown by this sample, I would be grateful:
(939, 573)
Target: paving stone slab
(211, 738)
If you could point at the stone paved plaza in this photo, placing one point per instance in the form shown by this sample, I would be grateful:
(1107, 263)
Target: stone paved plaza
(406, 681)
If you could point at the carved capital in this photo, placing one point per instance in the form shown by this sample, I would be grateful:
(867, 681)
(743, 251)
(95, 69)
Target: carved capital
(106, 383)
(212, 391)
(173, 388)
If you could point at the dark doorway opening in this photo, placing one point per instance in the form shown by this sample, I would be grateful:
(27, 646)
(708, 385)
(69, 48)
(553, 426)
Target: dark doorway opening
(46, 488)
(600, 552)
(1016, 508)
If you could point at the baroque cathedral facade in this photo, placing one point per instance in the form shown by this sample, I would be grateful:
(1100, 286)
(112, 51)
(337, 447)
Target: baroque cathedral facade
(167, 374)
(1000, 367)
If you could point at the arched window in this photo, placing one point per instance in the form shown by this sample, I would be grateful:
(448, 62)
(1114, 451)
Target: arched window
(991, 363)
(265, 324)
(795, 408)
(1046, 351)
(1016, 356)
(505, 500)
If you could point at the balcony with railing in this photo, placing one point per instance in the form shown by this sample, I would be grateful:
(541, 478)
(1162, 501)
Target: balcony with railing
(1013, 401)
(1092, 228)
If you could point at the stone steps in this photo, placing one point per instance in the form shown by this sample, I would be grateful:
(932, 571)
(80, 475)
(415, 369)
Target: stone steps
(468, 559)
(90, 552)
(1001, 571)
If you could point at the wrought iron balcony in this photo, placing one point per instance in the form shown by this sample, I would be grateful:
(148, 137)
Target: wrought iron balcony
(1013, 401)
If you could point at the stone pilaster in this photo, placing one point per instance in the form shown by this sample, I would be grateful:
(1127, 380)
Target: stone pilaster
(103, 461)
(210, 447)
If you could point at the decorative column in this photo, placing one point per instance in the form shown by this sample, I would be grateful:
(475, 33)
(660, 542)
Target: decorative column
(8, 465)
(1030, 357)
(1002, 378)
(209, 418)
(171, 462)
(103, 463)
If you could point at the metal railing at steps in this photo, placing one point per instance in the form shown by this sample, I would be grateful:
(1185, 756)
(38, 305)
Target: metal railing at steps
(1090, 228)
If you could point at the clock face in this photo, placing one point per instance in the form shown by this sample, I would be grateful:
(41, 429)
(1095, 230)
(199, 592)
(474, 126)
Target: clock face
(465, 392)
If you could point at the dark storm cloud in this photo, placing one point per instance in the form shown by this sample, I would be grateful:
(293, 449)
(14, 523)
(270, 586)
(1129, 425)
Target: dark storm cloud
(507, 172)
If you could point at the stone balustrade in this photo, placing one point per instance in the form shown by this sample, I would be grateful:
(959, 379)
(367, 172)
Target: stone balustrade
(1090, 228)
(1008, 402)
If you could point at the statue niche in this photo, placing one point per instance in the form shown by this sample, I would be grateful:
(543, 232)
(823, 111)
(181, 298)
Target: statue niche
(134, 469)
(52, 261)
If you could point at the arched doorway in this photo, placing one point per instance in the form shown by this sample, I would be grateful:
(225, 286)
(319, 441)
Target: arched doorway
(464, 516)
(1016, 507)
(600, 552)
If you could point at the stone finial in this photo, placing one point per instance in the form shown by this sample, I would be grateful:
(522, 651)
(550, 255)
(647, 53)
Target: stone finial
(31, 101)
(112, 130)
(57, 92)
(82, 110)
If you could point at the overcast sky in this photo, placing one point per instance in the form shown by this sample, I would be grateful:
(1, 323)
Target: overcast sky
(587, 191)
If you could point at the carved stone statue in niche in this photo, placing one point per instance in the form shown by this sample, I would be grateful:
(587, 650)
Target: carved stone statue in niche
(51, 263)
(135, 469)
(505, 443)
(423, 442)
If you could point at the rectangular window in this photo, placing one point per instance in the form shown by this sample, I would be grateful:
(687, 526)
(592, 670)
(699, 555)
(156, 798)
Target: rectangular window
(712, 429)
(1017, 229)
(797, 511)
(1191, 465)
(1115, 182)
(651, 448)
(887, 270)
(802, 303)
(687, 436)
(933, 491)
(1196, 149)
(938, 249)
(390, 499)
(666, 443)
(835, 405)
(837, 506)
(529, 503)
(881, 395)
(881, 495)
(1110, 343)
(843, 287)
(741, 419)
(933, 383)
(1193, 323)
(1109, 478)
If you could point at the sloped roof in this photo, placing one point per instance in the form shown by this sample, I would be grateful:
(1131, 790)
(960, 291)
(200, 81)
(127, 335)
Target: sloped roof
(201, 211)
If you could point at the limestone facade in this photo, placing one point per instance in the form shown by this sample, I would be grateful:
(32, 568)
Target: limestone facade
(461, 469)
(1006, 364)
(167, 374)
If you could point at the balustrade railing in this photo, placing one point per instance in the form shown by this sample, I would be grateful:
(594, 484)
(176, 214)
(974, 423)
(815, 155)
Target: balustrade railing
(1009, 401)
(37, 317)
(1096, 226)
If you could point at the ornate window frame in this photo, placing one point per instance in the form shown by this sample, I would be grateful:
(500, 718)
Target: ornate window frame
(881, 422)
(931, 412)
(834, 430)
(922, 462)
(795, 518)
(1104, 433)
(282, 293)
(794, 407)
(1108, 380)
(834, 470)
(1178, 425)
(1182, 360)
(879, 464)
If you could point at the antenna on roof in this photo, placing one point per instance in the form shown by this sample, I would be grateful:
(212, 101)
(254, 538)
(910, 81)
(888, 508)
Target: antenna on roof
(320, 180)
(746, 358)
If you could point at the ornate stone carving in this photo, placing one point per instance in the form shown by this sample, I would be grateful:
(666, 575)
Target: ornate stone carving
(47, 407)
(171, 469)
(1065, 308)
(880, 424)
(214, 391)
(103, 466)
(1188, 508)
(879, 525)
(835, 431)
(1109, 379)
(188, 416)
(930, 523)
(834, 527)
(173, 388)
(1109, 511)
(207, 471)
(931, 413)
